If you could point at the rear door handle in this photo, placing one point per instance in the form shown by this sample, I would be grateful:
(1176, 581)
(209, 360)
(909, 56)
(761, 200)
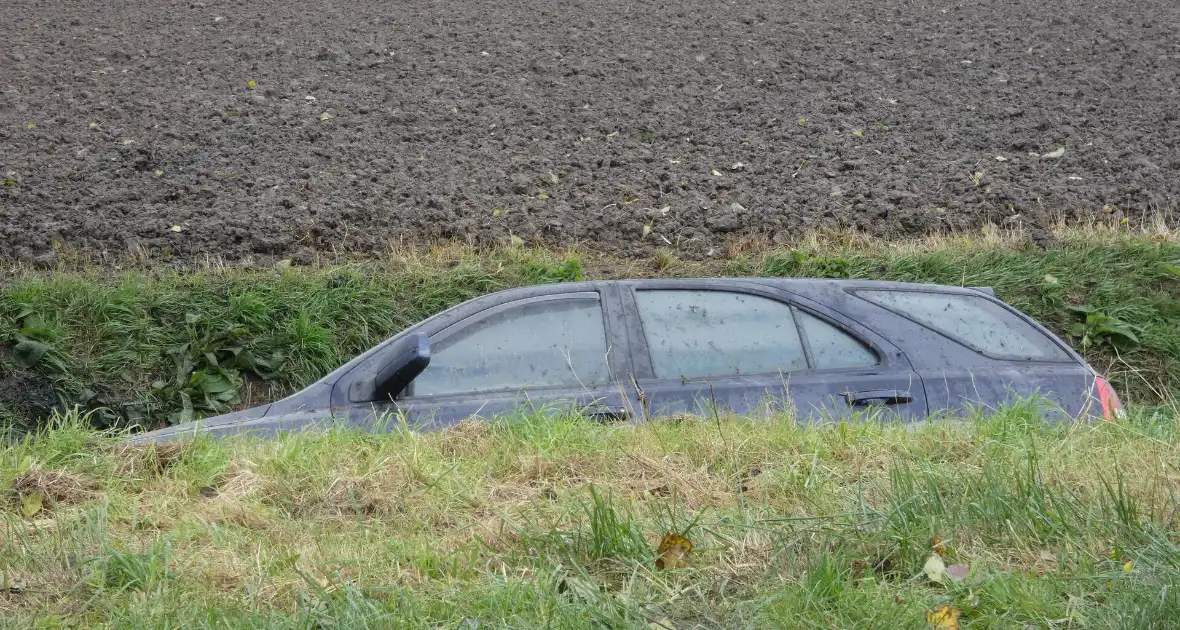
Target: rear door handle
(878, 397)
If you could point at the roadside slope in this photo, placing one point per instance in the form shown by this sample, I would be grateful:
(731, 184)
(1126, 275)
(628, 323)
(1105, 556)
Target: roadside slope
(537, 523)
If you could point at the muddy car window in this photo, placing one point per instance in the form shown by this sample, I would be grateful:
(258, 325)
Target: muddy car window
(718, 333)
(553, 343)
(971, 320)
(833, 348)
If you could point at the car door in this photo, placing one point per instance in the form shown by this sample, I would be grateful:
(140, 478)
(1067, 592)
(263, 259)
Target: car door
(545, 353)
(974, 352)
(745, 348)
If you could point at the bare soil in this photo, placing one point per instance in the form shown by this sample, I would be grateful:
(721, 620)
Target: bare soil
(254, 131)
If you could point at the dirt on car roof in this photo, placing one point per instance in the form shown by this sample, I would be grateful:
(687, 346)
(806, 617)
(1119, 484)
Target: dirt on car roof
(254, 131)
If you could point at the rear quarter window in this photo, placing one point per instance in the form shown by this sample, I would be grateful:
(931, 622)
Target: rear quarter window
(973, 321)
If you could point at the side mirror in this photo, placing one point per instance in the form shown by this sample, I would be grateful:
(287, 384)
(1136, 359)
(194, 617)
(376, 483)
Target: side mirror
(408, 358)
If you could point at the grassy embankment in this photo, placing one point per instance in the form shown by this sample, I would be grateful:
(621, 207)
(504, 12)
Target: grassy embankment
(155, 346)
(535, 523)
(531, 523)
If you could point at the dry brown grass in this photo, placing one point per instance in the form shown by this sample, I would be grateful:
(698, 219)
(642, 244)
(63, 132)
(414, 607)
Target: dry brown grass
(57, 488)
(147, 459)
(469, 437)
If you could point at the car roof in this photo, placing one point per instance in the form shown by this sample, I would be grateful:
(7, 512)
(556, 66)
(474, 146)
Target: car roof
(801, 285)
(786, 283)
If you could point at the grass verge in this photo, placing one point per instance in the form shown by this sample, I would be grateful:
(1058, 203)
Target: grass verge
(530, 522)
(157, 346)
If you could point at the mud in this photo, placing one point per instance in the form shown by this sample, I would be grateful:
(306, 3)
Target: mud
(133, 128)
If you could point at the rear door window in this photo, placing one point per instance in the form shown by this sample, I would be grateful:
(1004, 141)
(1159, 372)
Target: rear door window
(971, 320)
(833, 348)
(692, 334)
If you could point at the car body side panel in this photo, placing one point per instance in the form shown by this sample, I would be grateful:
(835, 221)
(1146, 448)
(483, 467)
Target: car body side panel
(1062, 390)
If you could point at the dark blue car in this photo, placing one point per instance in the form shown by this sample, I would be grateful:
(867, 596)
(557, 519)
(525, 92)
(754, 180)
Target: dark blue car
(637, 349)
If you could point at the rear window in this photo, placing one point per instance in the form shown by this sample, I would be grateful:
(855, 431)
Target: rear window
(973, 321)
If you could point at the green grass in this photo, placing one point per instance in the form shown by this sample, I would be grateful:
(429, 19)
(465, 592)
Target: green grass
(156, 346)
(536, 522)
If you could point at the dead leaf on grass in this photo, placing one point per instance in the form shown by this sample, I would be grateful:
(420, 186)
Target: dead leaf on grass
(673, 551)
(939, 546)
(958, 571)
(935, 569)
(944, 617)
(31, 504)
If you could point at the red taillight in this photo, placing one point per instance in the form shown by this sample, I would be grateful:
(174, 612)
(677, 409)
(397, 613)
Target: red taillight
(1112, 407)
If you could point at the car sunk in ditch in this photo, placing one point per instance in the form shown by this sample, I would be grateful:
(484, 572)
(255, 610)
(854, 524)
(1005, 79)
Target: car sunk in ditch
(634, 350)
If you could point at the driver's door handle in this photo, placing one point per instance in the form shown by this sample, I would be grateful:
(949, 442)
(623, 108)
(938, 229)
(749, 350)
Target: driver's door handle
(878, 397)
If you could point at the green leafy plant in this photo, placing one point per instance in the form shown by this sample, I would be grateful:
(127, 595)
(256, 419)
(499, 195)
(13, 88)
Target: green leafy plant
(30, 342)
(568, 270)
(210, 370)
(665, 259)
(1098, 329)
(798, 263)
